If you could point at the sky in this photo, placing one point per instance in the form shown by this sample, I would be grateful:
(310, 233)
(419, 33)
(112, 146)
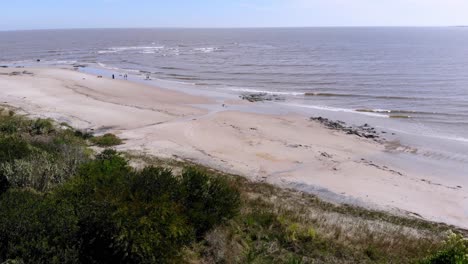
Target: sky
(54, 14)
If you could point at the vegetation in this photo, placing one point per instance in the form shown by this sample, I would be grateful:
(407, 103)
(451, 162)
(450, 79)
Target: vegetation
(62, 203)
(276, 225)
(454, 250)
(107, 140)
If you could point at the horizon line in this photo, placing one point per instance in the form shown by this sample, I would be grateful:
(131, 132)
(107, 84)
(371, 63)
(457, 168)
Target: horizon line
(249, 27)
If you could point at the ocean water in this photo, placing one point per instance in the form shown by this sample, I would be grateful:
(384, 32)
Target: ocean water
(413, 81)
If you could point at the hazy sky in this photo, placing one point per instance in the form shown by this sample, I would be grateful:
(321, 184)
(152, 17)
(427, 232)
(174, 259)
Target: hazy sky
(39, 14)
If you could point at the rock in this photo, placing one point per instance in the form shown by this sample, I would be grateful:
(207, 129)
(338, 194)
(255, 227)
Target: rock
(364, 131)
(259, 97)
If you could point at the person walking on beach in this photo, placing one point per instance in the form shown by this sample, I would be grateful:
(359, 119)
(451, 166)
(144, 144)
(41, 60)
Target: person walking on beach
(125, 76)
(113, 76)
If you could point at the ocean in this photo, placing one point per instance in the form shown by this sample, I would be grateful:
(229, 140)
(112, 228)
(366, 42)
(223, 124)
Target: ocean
(410, 81)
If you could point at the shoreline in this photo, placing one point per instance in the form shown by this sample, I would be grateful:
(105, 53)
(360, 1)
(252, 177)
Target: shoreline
(287, 149)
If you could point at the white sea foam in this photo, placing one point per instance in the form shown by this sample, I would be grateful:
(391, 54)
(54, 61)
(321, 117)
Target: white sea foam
(206, 49)
(452, 138)
(433, 135)
(132, 70)
(382, 111)
(132, 48)
(106, 51)
(105, 66)
(247, 90)
(21, 62)
(63, 62)
(334, 109)
(46, 62)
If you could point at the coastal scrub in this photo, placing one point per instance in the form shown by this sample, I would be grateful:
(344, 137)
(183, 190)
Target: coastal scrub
(62, 203)
(106, 140)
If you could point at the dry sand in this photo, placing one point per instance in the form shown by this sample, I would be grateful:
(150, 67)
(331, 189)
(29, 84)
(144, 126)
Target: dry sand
(288, 150)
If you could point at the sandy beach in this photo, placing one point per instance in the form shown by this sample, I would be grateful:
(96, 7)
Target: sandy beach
(289, 150)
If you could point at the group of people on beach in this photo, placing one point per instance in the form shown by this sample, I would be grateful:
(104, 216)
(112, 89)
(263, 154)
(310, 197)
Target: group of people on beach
(125, 76)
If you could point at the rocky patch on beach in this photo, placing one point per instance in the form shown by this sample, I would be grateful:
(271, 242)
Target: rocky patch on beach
(260, 97)
(384, 168)
(364, 131)
(79, 66)
(17, 73)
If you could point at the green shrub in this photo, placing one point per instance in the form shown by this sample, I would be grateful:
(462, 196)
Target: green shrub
(83, 134)
(36, 229)
(107, 163)
(68, 137)
(144, 216)
(60, 143)
(12, 148)
(42, 127)
(40, 164)
(208, 200)
(123, 219)
(40, 171)
(107, 140)
(14, 124)
(56, 206)
(454, 251)
(152, 224)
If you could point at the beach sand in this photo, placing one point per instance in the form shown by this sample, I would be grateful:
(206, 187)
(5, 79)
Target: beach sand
(288, 150)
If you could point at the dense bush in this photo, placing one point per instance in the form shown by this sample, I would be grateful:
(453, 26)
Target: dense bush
(454, 251)
(12, 124)
(35, 155)
(42, 126)
(107, 140)
(40, 171)
(83, 134)
(36, 228)
(206, 199)
(34, 166)
(144, 216)
(110, 213)
(12, 148)
(107, 163)
(131, 218)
